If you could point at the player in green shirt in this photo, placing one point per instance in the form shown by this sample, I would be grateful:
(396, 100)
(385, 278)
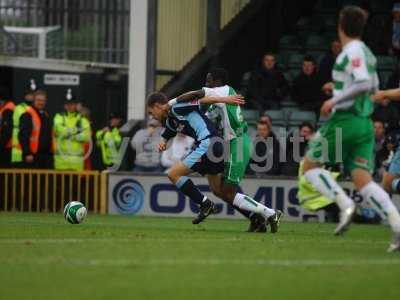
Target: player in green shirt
(235, 135)
(348, 136)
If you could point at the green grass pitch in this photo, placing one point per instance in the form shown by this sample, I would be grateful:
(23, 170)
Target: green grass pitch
(115, 257)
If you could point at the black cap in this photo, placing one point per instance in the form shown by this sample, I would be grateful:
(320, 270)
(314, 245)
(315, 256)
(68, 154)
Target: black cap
(32, 87)
(70, 97)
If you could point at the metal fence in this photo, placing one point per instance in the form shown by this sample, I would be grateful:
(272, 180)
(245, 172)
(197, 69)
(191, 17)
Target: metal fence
(91, 30)
(50, 191)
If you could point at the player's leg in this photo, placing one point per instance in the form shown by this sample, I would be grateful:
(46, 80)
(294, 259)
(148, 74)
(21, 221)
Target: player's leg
(322, 149)
(178, 176)
(240, 151)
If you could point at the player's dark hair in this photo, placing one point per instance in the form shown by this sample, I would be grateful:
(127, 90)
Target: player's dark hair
(352, 20)
(307, 124)
(219, 74)
(156, 98)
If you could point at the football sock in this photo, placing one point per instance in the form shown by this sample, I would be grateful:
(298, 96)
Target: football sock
(373, 193)
(187, 187)
(324, 183)
(245, 213)
(246, 203)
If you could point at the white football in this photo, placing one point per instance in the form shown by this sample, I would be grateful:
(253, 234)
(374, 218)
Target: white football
(75, 212)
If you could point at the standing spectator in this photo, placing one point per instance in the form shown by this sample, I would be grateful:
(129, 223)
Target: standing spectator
(265, 157)
(145, 142)
(327, 62)
(267, 85)
(16, 153)
(306, 89)
(180, 147)
(71, 132)
(109, 140)
(296, 146)
(35, 134)
(388, 114)
(6, 126)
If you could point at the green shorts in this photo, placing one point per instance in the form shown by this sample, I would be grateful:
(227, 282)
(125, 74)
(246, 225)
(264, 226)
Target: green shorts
(239, 157)
(346, 138)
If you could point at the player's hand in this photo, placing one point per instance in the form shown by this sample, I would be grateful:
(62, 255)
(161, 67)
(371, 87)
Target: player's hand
(235, 100)
(380, 97)
(327, 107)
(328, 88)
(162, 146)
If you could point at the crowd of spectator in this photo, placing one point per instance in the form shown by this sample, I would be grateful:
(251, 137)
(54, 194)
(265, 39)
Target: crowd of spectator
(31, 138)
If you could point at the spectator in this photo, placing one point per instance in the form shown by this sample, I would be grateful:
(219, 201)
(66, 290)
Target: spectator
(265, 157)
(296, 146)
(329, 59)
(16, 153)
(396, 29)
(265, 118)
(71, 133)
(388, 114)
(109, 140)
(145, 141)
(381, 150)
(6, 127)
(267, 85)
(35, 134)
(306, 89)
(180, 147)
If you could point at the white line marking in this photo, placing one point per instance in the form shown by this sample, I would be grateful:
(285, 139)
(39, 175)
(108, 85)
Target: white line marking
(206, 262)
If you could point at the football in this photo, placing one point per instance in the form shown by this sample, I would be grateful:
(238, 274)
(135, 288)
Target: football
(75, 212)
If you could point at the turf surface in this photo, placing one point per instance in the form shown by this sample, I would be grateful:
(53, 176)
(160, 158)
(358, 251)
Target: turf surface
(114, 257)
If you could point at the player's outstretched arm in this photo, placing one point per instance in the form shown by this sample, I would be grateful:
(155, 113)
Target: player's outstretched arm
(187, 97)
(382, 96)
(234, 99)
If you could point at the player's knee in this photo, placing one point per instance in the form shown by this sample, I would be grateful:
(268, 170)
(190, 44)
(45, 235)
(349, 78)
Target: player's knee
(172, 176)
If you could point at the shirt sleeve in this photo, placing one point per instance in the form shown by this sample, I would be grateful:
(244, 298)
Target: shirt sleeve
(358, 68)
(209, 92)
(169, 131)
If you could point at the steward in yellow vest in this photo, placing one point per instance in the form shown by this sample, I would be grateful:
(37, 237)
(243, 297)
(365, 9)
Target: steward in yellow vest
(71, 132)
(19, 110)
(109, 140)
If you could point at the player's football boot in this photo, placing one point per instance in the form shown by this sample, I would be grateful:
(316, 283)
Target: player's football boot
(395, 245)
(257, 224)
(207, 207)
(346, 217)
(275, 220)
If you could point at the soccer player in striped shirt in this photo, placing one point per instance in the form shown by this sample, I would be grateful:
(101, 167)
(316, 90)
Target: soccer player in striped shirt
(348, 135)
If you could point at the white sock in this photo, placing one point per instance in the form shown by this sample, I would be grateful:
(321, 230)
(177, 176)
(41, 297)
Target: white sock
(324, 183)
(373, 193)
(249, 204)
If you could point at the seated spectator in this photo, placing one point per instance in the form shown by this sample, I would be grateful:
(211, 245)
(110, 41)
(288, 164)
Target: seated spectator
(266, 119)
(328, 60)
(265, 157)
(180, 146)
(306, 88)
(267, 85)
(296, 146)
(144, 143)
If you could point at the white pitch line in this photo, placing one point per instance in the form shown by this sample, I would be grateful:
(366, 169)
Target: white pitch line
(207, 262)
(17, 241)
